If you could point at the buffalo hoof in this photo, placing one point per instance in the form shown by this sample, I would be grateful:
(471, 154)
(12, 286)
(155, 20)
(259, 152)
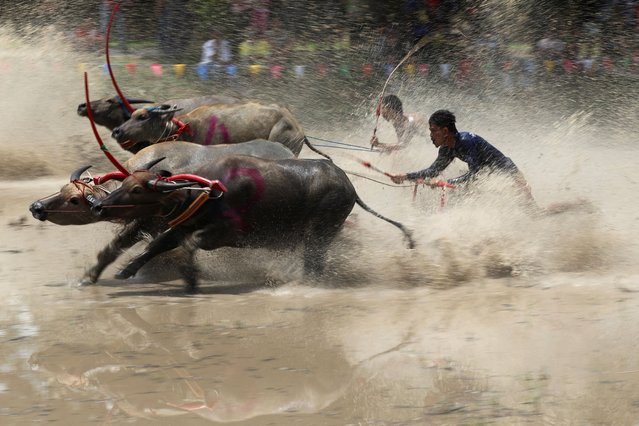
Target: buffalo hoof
(124, 274)
(84, 281)
(191, 289)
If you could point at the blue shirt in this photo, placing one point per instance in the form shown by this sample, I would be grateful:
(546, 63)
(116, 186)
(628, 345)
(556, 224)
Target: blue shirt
(472, 150)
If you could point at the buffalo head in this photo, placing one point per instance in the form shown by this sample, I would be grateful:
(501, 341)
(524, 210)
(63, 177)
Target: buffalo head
(145, 193)
(146, 124)
(72, 204)
(109, 112)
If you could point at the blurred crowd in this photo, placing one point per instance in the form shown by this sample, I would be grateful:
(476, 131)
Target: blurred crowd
(462, 39)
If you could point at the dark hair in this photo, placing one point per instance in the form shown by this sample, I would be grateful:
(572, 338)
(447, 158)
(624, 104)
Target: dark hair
(393, 103)
(444, 118)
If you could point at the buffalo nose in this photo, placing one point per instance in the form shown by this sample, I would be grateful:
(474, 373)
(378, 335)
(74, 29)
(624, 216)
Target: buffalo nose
(117, 133)
(82, 109)
(37, 210)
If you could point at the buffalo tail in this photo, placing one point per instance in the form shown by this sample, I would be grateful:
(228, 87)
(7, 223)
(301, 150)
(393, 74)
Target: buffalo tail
(408, 235)
(315, 150)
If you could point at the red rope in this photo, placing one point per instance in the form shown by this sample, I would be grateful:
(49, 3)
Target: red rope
(108, 59)
(213, 184)
(182, 127)
(104, 149)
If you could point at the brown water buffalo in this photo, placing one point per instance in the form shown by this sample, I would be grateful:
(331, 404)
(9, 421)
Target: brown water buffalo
(251, 202)
(211, 125)
(112, 112)
(72, 205)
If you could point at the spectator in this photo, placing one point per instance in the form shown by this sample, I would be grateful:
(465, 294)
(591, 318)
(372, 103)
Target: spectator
(86, 35)
(280, 40)
(550, 48)
(246, 50)
(259, 17)
(216, 52)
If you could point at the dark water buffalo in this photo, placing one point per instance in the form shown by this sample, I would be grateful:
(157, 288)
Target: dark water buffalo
(258, 203)
(112, 112)
(72, 205)
(213, 124)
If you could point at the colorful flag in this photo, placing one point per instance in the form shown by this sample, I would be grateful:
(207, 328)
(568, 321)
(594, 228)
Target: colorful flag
(178, 69)
(156, 69)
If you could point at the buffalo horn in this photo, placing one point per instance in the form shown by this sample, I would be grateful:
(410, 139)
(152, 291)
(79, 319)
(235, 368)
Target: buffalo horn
(151, 163)
(163, 185)
(139, 101)
(77, 173)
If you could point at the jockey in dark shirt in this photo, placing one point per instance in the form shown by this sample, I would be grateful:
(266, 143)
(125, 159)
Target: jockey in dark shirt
(471, 149)
(468, 147)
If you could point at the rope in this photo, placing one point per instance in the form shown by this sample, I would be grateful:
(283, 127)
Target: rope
(375, 180)
(342, 147)
(337, 143)
(103, 147)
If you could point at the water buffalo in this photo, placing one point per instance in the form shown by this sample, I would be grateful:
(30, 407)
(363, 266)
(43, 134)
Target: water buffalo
(72, 205)
(211, 125)
(252, 203)
(113, 112)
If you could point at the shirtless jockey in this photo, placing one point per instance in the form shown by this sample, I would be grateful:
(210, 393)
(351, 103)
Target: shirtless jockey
(406, 125)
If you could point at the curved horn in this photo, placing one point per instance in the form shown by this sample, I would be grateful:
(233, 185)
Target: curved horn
(151, 163)
(77, 173)
(164, 109)
(140, 101)
(170, 111)
(108, 59)
(164, 186)
(104, 149)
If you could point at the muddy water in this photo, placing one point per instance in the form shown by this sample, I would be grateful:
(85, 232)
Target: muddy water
(496, 316)
(425, 338)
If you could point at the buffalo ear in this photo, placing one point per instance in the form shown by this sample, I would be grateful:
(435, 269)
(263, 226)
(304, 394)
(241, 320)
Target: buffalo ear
(77, 173)
(165, 173)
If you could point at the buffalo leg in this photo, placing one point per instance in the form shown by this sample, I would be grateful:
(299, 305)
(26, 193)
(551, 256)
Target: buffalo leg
(164, 242)
(315, 248)
(127, 237)
(187, 266)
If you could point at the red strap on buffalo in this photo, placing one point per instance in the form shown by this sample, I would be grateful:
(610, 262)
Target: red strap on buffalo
(100, 179)
(182, 127)
(213, 184)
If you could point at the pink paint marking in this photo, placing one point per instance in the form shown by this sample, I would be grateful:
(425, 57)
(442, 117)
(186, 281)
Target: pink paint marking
(235, 215)
(226, 138)
(211, 131)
